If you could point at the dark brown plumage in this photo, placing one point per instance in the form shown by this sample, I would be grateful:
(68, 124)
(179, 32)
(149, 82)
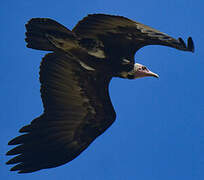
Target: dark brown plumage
(74, 84)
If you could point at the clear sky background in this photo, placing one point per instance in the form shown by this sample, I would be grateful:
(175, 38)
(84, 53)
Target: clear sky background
(159, 130)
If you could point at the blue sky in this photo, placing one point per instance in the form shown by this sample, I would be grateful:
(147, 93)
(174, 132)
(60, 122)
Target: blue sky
(159, 131)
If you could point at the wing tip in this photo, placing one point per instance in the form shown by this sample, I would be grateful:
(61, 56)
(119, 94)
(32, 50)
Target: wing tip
(11, 142)
(189, 46)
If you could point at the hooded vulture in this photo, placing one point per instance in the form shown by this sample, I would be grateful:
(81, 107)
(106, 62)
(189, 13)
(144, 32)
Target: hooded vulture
(74, 78)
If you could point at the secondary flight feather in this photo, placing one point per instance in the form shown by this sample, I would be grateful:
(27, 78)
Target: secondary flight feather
(74, 78)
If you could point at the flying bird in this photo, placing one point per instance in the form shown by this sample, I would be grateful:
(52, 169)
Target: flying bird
(74, 78)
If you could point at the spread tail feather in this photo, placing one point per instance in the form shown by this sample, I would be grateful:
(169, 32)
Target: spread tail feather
(41, 32)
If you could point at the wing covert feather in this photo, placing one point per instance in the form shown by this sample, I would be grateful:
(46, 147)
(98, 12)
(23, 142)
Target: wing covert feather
(107, 26)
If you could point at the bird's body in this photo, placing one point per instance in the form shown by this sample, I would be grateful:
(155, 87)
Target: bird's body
(74, 84)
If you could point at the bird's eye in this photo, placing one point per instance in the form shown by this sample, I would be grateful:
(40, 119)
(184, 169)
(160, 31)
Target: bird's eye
(144, 68)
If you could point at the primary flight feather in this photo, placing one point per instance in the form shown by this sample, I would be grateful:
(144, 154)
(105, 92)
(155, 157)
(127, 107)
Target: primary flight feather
(74, 84)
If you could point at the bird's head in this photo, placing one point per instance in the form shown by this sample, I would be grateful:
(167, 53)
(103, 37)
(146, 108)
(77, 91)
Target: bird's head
(138, 71)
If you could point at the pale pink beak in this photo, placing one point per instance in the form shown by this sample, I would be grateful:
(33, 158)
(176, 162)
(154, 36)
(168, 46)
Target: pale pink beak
(150, 73)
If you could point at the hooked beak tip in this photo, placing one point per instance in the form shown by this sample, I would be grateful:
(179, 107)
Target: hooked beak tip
(152, 74)
(156, 76)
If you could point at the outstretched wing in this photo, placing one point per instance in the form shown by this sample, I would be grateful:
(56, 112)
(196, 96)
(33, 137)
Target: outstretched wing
(77, 109)
(107, 26)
